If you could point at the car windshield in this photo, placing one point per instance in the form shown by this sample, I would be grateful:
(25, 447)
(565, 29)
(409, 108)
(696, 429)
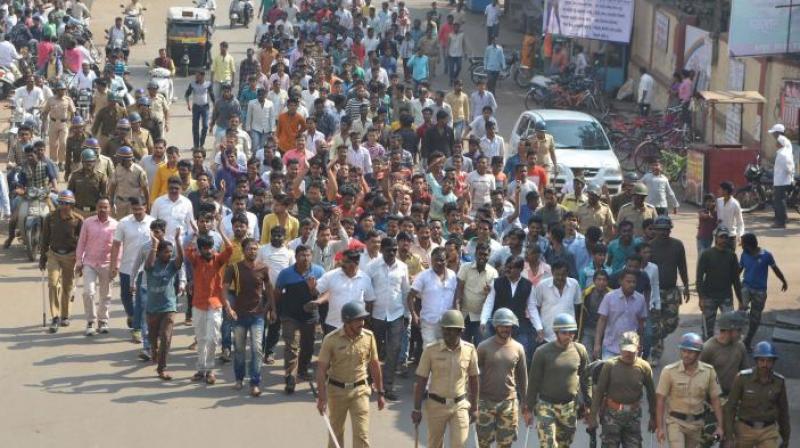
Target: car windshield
(185, 30)
(577, 134)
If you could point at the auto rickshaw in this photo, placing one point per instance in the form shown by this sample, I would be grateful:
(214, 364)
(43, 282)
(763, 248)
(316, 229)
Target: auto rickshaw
(189, 37)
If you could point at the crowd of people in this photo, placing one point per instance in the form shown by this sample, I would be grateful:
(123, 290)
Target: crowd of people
(329, 190)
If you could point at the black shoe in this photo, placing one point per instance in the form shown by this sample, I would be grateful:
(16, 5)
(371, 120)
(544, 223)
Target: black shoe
(778, 226)
(8, 242)
(129, 321)
(390, 395)
(290, 384)
(53, 325)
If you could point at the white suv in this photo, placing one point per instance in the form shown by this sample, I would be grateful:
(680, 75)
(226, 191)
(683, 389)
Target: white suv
(581, 143)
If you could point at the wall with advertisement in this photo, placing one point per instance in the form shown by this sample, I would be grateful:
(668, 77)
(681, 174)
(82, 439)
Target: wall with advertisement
(609, 20)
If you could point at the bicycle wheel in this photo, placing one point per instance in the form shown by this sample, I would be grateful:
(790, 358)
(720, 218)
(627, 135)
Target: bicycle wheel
(645, 153)
(479, 74)
(749, 199)
(522, 77)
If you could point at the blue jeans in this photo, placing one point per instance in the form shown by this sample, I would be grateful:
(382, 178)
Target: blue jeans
(454, 66)
(254, 325)
(405, 340)
(526, 335)
(199, 125)
(125, 294)
(492, 31)
(472, 332)
(649, 333)
(226, 329)
(139, 310)
(258, 138)
(703, 244)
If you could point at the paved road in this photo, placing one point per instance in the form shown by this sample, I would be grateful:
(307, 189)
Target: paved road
(72, 391)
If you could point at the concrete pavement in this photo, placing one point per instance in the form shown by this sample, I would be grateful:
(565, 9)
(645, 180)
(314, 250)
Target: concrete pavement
(67, 390)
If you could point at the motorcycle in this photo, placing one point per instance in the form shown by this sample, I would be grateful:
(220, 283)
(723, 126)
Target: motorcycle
(758, 192)
(117, 45)
(135, 23)
(20, 116)
(203, 4)
(30, 223)
(240, 12)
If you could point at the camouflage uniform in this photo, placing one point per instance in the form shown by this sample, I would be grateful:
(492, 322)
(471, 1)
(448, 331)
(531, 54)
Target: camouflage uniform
(497, 422)
(622, 428)
(665, 320)
(556, 423)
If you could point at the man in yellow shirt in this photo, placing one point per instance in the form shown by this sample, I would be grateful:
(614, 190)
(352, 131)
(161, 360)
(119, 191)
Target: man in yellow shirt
(223, 69)
(280, 217)
(164, 172)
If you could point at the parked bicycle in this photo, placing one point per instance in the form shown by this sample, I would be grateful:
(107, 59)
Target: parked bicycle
(478, 71)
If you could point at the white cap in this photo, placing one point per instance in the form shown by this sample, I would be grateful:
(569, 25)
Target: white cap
(777, 128)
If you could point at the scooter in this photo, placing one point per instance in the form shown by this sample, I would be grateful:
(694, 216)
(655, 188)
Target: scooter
(163, 78)
(117, 45)
(203, 4)
(240, 12)
(30, 223)
(9, 75)
(135, 23)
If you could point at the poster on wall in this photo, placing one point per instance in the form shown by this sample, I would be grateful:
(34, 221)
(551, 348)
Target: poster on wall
(697, 54)
(733, 116)
(695, 169)
(790, 104)
(760, 27)
(608, 20)
(661, 31)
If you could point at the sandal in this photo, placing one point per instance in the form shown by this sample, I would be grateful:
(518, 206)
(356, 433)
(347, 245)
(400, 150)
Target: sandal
(211, 378)
(198, 376)
(164, 376)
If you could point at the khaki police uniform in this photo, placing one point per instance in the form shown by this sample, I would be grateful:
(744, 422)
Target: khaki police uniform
(128, 183)
(87, 186)
(159, 108)
(59, 241)
(687, 395)
(110, 147)
(448, 371)
(141, 143)
(599, 216)
(543, 147)
(59, 112)
(618, 200)
(757, 412)
(105, 123)
(74, 148)
(629, 212)
(347, 388)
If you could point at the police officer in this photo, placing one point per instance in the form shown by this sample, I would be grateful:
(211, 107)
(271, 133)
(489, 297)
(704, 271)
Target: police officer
(59, 109)
(104, 164)
(625, 193)
(60, 233)
(559, 371)
(688, 384)
(141, 139)
(149, 121)
(105, 122)
(451, 365)
(618, 394)
(77, 135)
(129, 181)
(757, 411)
(88, 184)
(342, 375)
(637, 210)
(121, 137)
(725, 352)
(501, 361)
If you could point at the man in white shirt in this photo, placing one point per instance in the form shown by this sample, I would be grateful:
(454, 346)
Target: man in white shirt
(492, 144)
(344, 284)
(389, 276)
(371, 41)
(729, 211)
(29, 95)
(783, 175)
(436, 288)
(85, 78)
(260, 119)
(481, 183)
(345, 17)
(174, 208)
(645, 93)
(492, 13)
(358, 155)
(8, 54)
(239, 205)
(132, 233)
(310, 95)
(261, 30)
(555, 295)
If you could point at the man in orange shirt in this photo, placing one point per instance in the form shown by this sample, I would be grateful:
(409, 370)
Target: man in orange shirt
(290, 125)
(164, 173)
(207, 299)
(267, 56)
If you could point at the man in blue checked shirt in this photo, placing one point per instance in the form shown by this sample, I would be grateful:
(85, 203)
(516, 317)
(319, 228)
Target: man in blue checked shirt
(495, 61)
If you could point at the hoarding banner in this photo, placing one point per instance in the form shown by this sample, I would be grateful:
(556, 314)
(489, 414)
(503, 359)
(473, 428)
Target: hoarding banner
(761, 27)
(609, 20)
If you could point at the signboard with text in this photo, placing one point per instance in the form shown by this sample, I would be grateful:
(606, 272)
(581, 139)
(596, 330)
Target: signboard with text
(661, 31)
(608, 20)
(761, 27)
